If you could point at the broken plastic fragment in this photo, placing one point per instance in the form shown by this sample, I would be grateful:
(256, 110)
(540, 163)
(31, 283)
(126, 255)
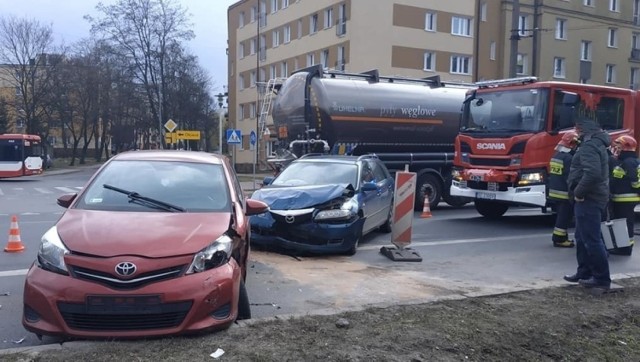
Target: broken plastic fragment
(219, 352)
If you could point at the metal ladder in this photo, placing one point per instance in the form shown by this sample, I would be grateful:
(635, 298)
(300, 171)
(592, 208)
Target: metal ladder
(268, 92)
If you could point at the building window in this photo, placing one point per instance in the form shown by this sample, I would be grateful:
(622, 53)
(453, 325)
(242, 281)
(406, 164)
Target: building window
(558, 67)
(285, 4)
(240, 111)
(287, 33)
(429, 61)
(460, 26)
(263, 75)
(275, 37)
(561, 29)
(635, 41)
(521, 64)
(460, 64)
(522, 25)
(587, 2)
(284, 69)
(313, 24)
(273, 73)
(341, 27)
(612, 38)
(241, 19)
(324, 58)
(340, 62)
(634, 78)
(483, 12)
(613, 5)
(254, 14)
(328, 18)
(492, 50)
(252, 110)
(611, 74)
(253, 79)
(585, 52)
(240, 82)
(299, 29)
(311, 59)
(241, 50)
(274, 6)
(430, 22)
(252, 48)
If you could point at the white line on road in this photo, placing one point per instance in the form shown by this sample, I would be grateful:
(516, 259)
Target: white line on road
(13, 273)
(66, 189)
(1, 193)
(452, 242)
(41, 190)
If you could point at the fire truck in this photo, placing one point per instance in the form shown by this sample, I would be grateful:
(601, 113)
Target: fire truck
(510, 127)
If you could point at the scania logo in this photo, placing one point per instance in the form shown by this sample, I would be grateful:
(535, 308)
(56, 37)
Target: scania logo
(289, 219)
(491, 146)
(125, 268)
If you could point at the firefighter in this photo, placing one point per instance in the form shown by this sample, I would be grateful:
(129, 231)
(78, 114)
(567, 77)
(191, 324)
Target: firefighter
(624, 185)
(558, 188)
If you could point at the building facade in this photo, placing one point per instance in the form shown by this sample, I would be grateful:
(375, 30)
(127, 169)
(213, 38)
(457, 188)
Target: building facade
(591, 41)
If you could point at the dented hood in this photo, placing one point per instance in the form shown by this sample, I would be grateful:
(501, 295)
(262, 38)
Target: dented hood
(300, 197)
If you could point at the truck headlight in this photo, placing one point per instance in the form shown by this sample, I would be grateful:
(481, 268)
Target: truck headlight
(347, 211)
(531, 178)
(214, 255)
(456, 174)
(51, 253)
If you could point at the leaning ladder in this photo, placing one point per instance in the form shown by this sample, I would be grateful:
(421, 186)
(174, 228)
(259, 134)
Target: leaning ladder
(268, 92)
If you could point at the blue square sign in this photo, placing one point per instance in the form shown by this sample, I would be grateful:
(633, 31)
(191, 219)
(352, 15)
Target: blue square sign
(234, 136)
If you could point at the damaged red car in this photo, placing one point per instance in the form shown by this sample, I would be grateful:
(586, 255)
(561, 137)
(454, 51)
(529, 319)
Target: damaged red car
(157, 243)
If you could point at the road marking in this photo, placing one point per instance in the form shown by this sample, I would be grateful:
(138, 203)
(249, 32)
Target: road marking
(13, 273)
(41, 190)
(452, 242)
(1, 193)
(66, 189)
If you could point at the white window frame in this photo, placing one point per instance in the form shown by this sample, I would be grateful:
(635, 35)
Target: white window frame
(252, 110)
(241, 50)
(287, 33)
(252, 82)
(612, 38)
(273, 71)
(635, 40)
(429, 61)
(274, 6)
(241, 82)
(328, 18)
(483, 12)
(252, 47)
(634, 77)
(461, 26)
(461, 63)
(311, 59)
(241, 111)
(254, 13)
(561, 29)
(313, 23)
(492, 51)
(241, 20)
(523, 21)
(275, 38)
(614, 6)
(285, 4)
(610, 74)
(324, 58)
(299, 29)
(559, 67)
(587, 3)
(585, 50)
(340, 60)
(521, 64)
(284, 69)
(430, 21)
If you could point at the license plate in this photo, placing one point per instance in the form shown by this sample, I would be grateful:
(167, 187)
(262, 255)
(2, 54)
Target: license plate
(485, 196)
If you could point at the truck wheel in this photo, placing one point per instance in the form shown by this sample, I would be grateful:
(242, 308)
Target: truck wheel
(428, 185)
(491, 210)
(456, 201)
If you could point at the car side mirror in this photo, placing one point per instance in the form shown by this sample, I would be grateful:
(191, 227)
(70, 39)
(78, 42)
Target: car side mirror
(255, 207)
(66, 200)
(369, 186)
(267, 180)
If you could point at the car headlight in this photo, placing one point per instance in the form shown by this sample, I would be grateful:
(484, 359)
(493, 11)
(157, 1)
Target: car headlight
(347, 211)
(530, 178)
(214, 255)
(52, 252)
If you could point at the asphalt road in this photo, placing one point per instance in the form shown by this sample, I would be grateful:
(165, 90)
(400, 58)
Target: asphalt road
(463, 255)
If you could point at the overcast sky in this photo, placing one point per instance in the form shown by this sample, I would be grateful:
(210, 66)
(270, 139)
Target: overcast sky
(208, 16)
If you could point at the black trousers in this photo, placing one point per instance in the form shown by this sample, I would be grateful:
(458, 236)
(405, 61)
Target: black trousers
(564, 216)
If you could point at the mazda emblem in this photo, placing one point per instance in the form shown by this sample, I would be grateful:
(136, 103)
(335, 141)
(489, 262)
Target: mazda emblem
(126, 268)
(289, 219)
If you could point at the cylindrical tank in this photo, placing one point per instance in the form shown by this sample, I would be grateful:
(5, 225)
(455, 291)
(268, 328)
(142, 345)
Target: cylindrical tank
(368, 111)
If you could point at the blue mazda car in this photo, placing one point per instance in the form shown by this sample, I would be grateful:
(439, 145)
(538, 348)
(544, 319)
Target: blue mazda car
(324, 204)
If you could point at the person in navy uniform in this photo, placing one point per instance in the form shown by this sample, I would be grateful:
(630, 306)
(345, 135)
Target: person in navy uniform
(624, 186)
(559, 166)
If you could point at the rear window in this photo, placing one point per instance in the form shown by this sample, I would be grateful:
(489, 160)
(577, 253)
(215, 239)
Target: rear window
(196, 187)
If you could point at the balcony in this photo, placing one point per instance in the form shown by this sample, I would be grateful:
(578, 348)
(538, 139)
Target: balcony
(635, 55)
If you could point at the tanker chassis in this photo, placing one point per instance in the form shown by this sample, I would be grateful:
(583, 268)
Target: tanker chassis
(404, 121)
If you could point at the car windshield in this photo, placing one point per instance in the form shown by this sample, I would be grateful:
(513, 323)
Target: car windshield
(318, 173)
(184, 186)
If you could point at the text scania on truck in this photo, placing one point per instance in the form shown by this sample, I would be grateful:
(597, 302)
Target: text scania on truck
(404, 121)
(509, 129)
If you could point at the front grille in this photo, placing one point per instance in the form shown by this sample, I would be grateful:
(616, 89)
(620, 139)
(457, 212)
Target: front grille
(482, 185)
(490, 161)
(117, 318)
(112, 281)
(297, 219)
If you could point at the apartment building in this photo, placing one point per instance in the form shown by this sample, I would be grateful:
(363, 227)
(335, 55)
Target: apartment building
(272, 38)
(588, 41)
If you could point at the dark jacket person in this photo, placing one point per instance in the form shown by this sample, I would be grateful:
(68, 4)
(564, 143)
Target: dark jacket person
(589, 188)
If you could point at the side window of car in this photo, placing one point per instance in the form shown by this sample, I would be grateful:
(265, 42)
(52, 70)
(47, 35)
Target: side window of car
(379, 171)
(367, 173)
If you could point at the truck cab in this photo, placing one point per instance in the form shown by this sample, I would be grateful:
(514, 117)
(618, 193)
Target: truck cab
(509, 129)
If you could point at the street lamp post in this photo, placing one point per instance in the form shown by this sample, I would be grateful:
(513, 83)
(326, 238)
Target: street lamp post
(221, 111)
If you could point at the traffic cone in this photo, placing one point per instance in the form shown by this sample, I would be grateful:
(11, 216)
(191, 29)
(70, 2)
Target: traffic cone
(426, 210)
(14, 245)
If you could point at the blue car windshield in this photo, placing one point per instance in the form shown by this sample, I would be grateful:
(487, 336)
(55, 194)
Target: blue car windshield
(318, 173)
(192, 187)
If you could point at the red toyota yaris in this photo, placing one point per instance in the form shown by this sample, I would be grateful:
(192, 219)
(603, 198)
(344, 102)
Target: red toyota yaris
(156, 244)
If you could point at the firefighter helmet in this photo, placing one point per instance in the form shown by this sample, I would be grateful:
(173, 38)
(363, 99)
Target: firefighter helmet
(569, 140)
(625, 143)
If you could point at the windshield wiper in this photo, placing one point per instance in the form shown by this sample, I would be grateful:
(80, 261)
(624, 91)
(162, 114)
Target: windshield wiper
(134, 196)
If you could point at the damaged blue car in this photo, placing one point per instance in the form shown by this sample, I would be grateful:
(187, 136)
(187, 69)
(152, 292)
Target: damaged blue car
(324, 204)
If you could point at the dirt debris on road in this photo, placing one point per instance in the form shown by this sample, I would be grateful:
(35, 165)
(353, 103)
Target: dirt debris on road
(553, 324)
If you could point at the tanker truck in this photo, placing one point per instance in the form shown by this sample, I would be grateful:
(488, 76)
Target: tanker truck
(403, 121)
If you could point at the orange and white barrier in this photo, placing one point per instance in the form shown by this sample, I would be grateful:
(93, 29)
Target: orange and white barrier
(403, 204)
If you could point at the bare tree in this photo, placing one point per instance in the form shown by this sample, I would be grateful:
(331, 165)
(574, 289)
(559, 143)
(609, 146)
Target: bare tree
(4, 116)
(28, 47)
(143, 30)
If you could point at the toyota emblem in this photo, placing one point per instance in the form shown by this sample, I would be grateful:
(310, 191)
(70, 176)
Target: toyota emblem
(126, 268)
(289, 219)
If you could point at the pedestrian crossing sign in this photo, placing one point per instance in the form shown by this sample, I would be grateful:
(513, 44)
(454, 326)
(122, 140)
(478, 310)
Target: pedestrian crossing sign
(234, 136)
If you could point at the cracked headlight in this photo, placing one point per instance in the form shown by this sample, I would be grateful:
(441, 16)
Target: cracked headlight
(347, 211)
(214, 255)
(52, 252)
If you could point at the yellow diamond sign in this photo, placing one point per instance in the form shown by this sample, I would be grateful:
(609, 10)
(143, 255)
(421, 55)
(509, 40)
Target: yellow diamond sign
(170, 125)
